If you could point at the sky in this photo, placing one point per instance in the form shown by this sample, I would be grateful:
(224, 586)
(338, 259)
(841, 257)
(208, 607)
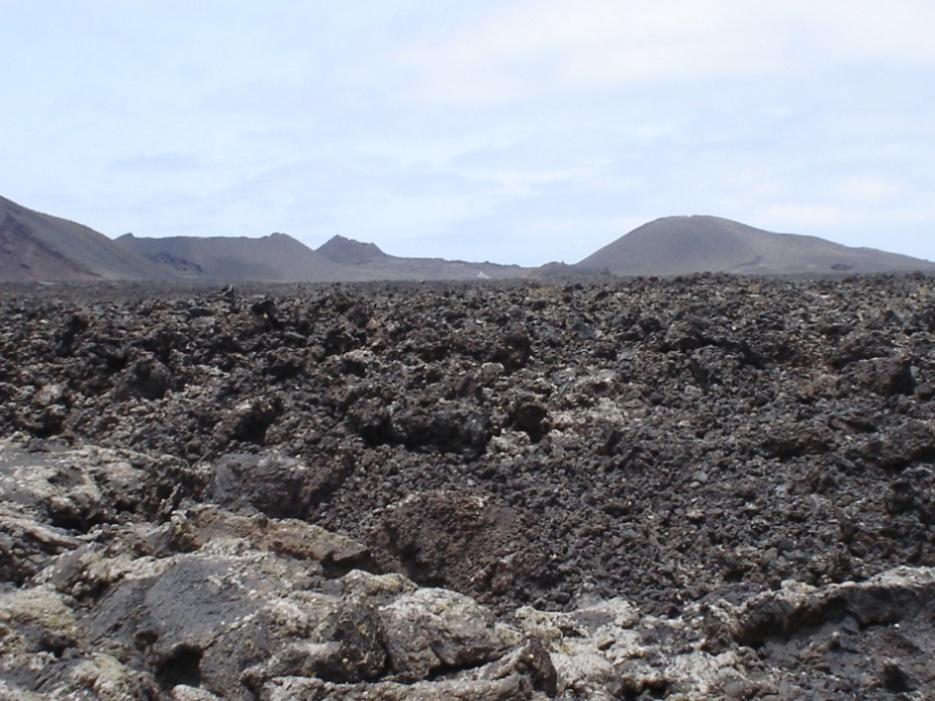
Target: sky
(518, 131)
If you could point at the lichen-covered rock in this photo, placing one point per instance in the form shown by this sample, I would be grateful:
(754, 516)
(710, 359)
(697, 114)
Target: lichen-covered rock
(48, 499)
(305, 689)
(208, 604)
(183, 692)
(213, 604)
(101, 677)
(273, 483)
(435, 629)
(196, 527)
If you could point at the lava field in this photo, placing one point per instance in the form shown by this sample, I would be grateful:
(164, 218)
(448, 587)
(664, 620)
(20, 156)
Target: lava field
(746, 466)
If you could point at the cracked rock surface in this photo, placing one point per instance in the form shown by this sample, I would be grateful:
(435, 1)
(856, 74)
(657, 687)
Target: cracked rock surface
(695, 488)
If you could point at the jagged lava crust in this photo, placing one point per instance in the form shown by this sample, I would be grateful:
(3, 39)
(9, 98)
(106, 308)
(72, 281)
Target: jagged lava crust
(685, 446)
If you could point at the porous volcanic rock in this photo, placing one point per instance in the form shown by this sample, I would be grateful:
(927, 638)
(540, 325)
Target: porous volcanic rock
(703, 487)
(198, 603)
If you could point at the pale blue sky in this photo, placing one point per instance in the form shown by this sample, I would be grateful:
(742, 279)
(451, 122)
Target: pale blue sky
(519, 131)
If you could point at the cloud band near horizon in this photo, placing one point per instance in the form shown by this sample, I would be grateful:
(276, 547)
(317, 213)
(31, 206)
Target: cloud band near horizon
(522, 131)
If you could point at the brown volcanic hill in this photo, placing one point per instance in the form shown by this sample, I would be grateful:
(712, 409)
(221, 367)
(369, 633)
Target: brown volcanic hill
(350, 252)
(368, 262)
(682, 245)
(39, 247)
(273, 258)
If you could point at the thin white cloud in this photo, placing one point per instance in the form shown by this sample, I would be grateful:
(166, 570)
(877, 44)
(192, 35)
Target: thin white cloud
(435, 151)
(525, 181)
(897, 31)
(539, 47)
(541, 129)
(869, 189)
(159, 163)
(799, 217)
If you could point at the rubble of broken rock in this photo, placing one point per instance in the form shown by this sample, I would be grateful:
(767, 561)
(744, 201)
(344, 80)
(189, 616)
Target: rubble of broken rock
(697, 488)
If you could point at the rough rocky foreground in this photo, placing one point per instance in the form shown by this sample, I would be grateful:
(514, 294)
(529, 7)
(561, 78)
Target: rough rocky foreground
(698, 488)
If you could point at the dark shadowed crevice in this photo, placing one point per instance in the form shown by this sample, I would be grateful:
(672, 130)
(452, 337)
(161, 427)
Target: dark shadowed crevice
(182, 666)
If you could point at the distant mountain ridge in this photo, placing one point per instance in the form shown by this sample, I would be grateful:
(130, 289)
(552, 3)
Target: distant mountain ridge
(273, 258)
(281, 258)
(40, 247)
(37, 247)
(350, 252)
(695, 244)
(368, 261)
